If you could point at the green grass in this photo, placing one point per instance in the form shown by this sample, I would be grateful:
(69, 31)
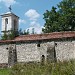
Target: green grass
(61, 68)
(4, 71)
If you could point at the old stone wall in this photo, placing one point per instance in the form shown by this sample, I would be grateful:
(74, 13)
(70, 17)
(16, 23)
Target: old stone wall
(8, 56)
(65, 50)
(3, 54)
(28, 52)
(38, 51)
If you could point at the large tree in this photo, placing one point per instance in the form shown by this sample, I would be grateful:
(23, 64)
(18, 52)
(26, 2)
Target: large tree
(62, 19)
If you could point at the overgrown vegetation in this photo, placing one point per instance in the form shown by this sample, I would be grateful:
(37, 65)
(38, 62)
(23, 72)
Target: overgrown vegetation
(65, 68)
(61, 68)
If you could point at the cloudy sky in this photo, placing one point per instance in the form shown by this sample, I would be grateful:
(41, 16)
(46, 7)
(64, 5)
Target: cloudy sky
(30, 12)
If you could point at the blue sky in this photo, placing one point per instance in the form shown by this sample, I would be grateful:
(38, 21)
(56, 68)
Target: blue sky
(29, 11)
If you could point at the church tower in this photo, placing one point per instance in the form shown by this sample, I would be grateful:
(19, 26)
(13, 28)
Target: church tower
(10, 22)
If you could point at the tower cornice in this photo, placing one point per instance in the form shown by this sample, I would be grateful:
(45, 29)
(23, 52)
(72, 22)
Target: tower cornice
(8, 14)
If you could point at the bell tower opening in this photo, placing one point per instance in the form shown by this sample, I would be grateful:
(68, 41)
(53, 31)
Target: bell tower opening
(6, 24)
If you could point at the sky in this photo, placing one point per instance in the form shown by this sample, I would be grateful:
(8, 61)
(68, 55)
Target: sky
(30, 12)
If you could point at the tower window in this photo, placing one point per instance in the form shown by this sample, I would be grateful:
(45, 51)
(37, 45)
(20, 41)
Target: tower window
(6, 20)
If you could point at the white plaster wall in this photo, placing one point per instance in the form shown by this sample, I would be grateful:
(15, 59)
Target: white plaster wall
(17, 22)
(9, 25)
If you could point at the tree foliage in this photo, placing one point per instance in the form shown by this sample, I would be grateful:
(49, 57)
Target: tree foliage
(61, 19)
(10, 35)
(23, 32)
(4, 36)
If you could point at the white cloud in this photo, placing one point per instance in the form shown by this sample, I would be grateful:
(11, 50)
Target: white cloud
(33, 23)
(8, 2)
(37, 27)
(21, 21)
(32, 14)
(37, 30)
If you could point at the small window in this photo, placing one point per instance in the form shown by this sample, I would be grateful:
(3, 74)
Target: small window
(55, 44)
(7, 48)
(42, 59)
(38, 45)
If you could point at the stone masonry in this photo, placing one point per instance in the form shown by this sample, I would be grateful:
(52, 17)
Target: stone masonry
(58, 49)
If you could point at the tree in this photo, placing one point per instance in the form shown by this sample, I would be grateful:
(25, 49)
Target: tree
(51, 19)
(10, 35)
(20, 32)
(4, 36)
(33, 31)
(62, 19)
(25, 32)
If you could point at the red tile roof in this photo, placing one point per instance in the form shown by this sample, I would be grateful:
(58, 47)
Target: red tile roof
(53, 35)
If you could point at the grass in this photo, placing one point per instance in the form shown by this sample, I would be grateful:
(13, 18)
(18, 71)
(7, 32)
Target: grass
(65, 68)
(61, 68)
(4, 71)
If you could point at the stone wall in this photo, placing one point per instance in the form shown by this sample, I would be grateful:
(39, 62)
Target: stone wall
(28, 52)
(3, 54)
(65, 50)
(38, 51)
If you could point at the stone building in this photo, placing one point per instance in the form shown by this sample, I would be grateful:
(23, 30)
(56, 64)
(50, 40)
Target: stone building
(56, 46)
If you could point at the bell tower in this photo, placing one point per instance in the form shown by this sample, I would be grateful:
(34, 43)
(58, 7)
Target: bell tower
(10, 22)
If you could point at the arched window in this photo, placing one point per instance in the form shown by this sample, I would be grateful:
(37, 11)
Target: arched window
(6, 22)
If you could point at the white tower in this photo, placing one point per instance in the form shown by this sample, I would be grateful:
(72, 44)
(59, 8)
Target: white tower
(10, 22)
